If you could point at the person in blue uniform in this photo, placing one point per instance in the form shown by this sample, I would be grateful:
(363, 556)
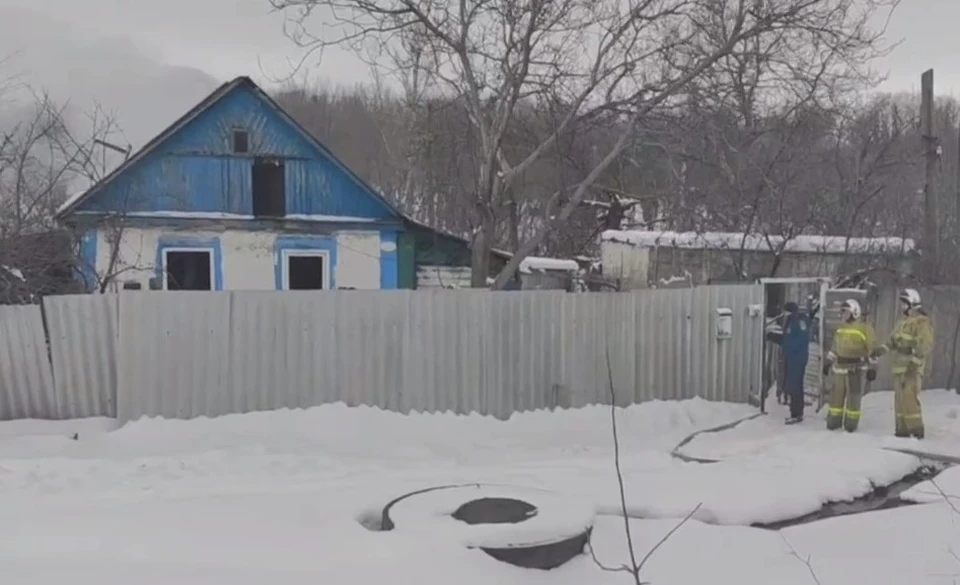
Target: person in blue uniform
(794, 339)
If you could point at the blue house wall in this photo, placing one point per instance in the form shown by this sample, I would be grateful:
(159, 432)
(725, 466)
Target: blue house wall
(195, 170)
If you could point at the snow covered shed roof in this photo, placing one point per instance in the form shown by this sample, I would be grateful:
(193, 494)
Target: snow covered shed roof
(736, 241)
(532, 264)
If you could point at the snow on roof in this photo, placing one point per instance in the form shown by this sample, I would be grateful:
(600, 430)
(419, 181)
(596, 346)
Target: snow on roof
(540, 264)
(756, 242)
(70, 200)
(235, 216)
(14, 272)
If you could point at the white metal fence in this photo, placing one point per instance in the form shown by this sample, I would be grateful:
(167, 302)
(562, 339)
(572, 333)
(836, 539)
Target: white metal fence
(187, 354)
(26, 379)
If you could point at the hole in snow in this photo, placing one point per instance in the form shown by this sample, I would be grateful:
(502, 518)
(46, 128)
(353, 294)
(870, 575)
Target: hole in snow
(495, 511)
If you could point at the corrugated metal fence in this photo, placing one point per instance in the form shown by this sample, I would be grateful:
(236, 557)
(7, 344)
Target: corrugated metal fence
(26, 379)
(187, 354)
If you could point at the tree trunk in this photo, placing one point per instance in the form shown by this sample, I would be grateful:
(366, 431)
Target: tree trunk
(480, 255)
(514, 222)
(489, 196)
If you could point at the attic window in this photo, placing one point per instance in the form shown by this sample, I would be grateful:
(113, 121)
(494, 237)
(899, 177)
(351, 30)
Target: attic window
(241, 141)
(269, 187)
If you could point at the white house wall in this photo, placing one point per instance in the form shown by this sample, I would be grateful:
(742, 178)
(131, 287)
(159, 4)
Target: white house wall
(135, 255)
(358, 260)
(248, 259)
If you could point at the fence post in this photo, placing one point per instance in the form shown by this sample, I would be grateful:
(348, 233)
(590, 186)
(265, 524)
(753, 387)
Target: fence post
(953, 355)
(44, 323)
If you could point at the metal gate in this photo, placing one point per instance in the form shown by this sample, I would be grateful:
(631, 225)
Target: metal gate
(810, 294)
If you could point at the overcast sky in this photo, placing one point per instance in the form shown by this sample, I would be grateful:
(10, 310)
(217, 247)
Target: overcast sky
(150, 60)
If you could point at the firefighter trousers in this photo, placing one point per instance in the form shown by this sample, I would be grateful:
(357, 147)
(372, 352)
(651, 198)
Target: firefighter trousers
(906, 404)
(845, 397)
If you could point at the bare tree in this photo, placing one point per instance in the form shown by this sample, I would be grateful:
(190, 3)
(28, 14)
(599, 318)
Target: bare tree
(34, 167)
(634, 567)
(42, 154)
(591, 59)
(764, 141)
(48, 152)
(759, 180)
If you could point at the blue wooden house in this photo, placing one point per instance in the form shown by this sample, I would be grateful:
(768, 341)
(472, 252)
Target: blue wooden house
(235, 195)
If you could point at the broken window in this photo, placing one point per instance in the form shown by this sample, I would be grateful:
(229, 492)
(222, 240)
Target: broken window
(188, 269)
(306, 271)
(241, 141)
(269, 188)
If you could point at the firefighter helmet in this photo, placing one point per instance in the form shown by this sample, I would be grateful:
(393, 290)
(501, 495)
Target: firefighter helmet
(910, 297)
(851, 310)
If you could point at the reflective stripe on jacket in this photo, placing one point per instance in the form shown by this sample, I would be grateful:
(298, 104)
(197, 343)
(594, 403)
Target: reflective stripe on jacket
(854, 340)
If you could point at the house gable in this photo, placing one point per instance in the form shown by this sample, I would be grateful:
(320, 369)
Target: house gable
(191, 168)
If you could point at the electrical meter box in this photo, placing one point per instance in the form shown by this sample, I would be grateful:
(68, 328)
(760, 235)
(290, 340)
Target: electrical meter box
(724, 323)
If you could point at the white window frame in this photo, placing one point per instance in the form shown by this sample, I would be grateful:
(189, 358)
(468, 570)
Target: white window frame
(210, 251)
(297, 253)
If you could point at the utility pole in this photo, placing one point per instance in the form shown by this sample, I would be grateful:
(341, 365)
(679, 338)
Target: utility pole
(956, 201)
(931, 232)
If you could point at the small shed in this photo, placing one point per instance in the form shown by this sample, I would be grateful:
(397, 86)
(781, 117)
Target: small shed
(644, 259)
(541, 273)
(440, 259)
(443, 260)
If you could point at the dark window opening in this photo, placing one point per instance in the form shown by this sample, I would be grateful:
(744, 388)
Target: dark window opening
(269, 188)
(241, 141)
(188, 270)
(776, 298)
(305, 272)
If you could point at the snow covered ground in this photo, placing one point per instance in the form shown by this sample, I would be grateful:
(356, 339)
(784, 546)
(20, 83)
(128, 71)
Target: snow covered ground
(278, 497)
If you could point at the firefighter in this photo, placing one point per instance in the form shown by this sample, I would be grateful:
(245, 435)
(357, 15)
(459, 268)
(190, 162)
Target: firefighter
(854, 342)
(911, 340)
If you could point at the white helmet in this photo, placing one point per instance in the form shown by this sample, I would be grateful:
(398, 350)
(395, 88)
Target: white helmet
(910, 297)
(851, 308)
